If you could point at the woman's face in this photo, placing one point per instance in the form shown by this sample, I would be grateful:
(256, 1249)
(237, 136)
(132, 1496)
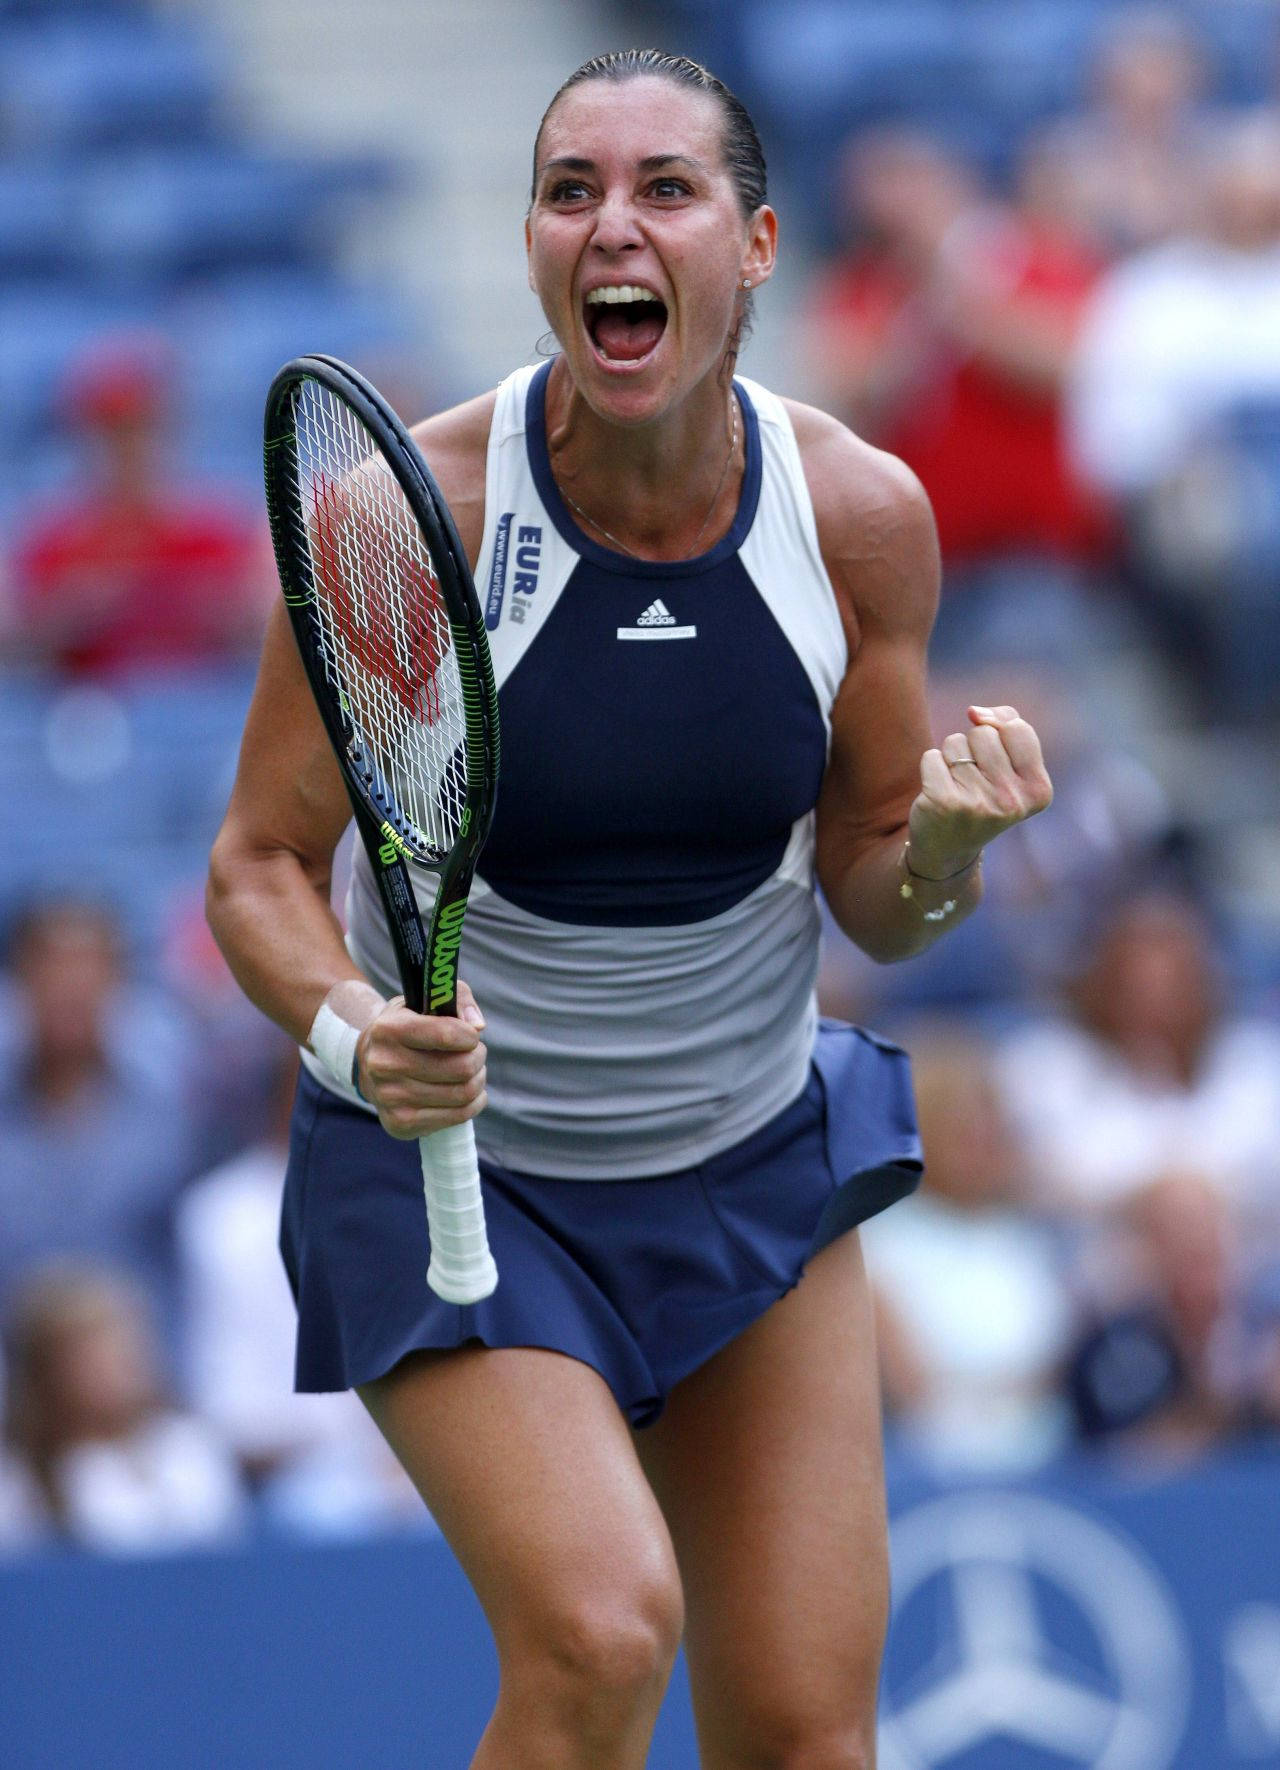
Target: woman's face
(633, 201)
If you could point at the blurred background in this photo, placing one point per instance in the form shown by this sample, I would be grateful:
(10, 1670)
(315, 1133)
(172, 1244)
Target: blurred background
(1032, 246)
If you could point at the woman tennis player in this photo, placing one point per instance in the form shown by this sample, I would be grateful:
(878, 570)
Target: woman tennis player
(708, 609)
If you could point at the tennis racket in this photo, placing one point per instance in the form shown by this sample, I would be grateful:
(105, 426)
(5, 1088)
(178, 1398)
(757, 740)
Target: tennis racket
(392, 639)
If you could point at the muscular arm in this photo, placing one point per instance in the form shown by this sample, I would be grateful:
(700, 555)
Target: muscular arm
(885, 780)
(271, 867)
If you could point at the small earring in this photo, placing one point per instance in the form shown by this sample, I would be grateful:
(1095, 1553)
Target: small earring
(746, 282)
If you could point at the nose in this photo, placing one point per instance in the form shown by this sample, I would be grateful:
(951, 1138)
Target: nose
(617, 227)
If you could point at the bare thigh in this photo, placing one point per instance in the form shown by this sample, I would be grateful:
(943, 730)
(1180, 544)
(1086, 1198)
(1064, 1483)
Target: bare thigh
(768, 1466)
(529, 1468)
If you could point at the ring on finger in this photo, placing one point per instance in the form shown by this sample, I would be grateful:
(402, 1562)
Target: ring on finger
(962, 761)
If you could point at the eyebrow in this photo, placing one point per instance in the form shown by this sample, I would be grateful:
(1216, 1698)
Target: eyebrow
(650, 163)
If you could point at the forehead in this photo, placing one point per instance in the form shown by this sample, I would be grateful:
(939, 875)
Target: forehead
(633, 119)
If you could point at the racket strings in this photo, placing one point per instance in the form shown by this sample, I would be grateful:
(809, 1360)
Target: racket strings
(385, 628)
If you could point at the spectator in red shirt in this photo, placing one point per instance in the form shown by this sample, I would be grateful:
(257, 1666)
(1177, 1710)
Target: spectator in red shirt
(944, 334)
(133, 570)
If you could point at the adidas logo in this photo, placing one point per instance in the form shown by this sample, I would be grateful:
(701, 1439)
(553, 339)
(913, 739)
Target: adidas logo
(657, 622)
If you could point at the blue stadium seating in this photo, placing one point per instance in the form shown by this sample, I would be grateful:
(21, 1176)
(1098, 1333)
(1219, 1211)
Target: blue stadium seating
(38, 205)
(129, 201)
(241, 327)
(157, 215)
(42, 11)
(121, 788)
(83, 80)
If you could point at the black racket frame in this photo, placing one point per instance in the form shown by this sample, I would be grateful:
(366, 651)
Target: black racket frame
(426, 959)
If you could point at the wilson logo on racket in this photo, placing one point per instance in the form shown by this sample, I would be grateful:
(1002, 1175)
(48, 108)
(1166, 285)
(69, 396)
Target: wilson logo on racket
(394, 847)
(444, 954)
(402, 631)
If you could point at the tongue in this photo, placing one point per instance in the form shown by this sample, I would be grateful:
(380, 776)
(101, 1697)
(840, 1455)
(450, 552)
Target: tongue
(625, 339)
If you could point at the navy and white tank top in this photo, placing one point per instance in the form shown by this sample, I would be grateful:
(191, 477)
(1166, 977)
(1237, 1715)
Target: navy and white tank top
(643, 936)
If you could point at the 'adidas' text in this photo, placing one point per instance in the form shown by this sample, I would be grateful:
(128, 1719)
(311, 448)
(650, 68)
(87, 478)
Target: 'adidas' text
(657, 622)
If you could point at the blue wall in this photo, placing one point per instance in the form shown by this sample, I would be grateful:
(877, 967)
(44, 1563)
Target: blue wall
(1073, 1621)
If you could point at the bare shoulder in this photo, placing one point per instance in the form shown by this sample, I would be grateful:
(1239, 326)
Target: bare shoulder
(875, 524)
(455, 444)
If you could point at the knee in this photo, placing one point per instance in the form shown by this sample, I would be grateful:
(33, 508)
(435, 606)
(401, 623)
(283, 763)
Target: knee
(782, 1746)
(608, 1649)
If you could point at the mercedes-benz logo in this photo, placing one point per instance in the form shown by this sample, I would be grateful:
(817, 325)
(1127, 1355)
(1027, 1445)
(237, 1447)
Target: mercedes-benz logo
(1049, 1632)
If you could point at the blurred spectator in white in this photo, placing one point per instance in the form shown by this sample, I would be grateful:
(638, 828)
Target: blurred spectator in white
(316, 1462)
(1152, 1073)
(1122, 171)
(973, 1317)
(943, 333)
(97, 1127)
(133, 569)
(1179, 335)
(1175, 411)
(117, 1466)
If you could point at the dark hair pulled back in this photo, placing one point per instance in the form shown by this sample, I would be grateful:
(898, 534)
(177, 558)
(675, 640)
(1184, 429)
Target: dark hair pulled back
(743, 154)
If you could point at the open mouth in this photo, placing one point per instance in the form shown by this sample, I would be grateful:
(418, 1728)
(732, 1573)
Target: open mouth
(624, 322)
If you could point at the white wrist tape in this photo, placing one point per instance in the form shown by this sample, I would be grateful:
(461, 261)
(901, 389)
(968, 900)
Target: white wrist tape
(334, 1042)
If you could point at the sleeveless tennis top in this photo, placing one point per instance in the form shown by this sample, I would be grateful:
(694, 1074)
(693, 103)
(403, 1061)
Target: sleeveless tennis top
(643, 936)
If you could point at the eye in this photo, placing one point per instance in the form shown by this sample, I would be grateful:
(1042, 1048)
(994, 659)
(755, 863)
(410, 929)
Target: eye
(567, 190)
(670, 187)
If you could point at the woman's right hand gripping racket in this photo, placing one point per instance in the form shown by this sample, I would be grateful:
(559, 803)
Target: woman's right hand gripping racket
(393, 642)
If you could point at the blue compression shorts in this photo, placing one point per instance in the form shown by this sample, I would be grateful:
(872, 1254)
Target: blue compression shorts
(641, 1279)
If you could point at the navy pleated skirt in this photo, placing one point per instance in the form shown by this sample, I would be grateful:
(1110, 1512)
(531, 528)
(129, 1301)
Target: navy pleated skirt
(641, 1279)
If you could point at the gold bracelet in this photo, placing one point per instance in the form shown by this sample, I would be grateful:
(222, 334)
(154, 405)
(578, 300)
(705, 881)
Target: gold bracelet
(906, 887)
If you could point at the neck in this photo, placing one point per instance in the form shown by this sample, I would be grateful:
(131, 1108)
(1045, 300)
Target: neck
(658, 488)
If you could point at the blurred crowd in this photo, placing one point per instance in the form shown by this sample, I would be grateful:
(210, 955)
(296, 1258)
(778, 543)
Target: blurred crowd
(1083, 366)
(1081, 360)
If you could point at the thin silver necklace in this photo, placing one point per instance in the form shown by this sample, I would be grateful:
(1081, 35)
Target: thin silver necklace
(724, 474)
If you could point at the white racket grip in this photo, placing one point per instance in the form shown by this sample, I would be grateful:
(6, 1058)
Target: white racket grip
(461, 1268)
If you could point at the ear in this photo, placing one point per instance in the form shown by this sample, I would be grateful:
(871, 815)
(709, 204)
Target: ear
(762, 248)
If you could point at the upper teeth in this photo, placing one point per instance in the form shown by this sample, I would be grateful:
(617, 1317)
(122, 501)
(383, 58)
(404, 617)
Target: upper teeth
(619, 292)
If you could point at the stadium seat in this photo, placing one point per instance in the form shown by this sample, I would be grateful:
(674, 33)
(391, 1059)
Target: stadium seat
(37, 214)
(824, 55)
(90, 79)
(45, 10)
(818, 70)
(1244, 40)
(1031, 59)
(236, 331)
(164, 214)
(185, 730)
